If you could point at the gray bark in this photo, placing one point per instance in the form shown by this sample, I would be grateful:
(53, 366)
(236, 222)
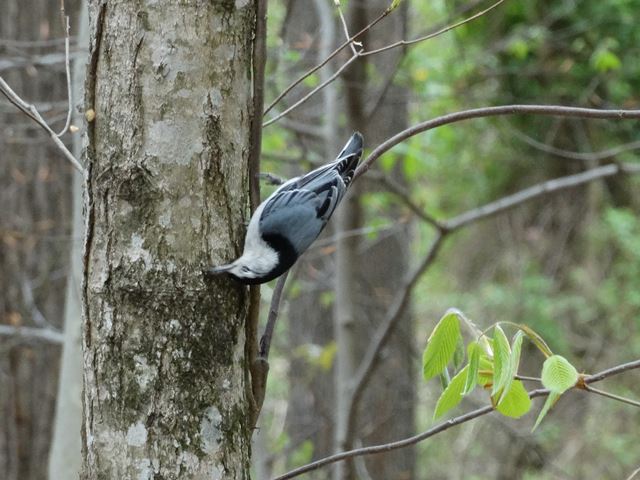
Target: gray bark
(65, 457)
(166, 385)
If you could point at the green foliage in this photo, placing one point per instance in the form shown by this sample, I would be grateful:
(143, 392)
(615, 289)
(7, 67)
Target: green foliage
(473, 351)
(452, 394)
(516, 402)
(441, 345)
(501, 355)
(558, 375)
(496, 369)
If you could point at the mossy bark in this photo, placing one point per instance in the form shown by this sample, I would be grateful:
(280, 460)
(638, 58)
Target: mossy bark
(167, 194)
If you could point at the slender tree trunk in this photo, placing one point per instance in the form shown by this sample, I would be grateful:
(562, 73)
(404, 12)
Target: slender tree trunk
(65, 458)
(379, 111)
(166, 384)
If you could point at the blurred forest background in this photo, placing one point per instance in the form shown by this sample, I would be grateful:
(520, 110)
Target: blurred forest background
(566, 264)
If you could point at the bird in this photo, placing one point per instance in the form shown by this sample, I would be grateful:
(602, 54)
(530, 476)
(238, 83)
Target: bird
(285, 225)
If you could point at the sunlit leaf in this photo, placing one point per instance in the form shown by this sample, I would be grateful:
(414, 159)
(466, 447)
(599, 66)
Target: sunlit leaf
(452, 395)
(441, 345)
(551, 401)
(485, 371)
(514, 362)
(473, 352)
(537, 340)
(501, 354)
(558, 375)
(516, 402)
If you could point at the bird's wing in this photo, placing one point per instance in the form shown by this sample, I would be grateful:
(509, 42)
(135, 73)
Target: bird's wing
(301, 213)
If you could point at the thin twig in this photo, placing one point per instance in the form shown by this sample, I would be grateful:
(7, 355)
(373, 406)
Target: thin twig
(541, 189)
(434, 34)
(65, 25)
(265, 341)
(325, 61)
(312, 92)
(31, 112)
(27, 333)
(613, 396)
(633, 474)
(549, 110)
(582, 156)
(402, 194)
(541, 392)
(353, 43)
(259, 55)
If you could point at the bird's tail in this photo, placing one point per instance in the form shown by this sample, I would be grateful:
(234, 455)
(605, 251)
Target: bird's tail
(349, 157)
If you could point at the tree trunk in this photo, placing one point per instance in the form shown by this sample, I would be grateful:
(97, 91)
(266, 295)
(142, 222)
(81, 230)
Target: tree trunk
(166, 384)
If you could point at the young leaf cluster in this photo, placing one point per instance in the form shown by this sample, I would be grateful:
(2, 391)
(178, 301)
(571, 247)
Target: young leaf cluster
(492, 363)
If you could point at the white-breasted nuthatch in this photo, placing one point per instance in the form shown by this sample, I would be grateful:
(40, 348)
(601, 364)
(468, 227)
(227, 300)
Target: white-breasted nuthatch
(291, 218)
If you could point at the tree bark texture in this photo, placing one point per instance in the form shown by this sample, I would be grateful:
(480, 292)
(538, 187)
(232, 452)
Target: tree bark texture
(166, 385)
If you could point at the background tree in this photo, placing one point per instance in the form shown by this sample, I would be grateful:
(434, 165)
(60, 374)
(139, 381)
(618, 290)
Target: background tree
(35, 240)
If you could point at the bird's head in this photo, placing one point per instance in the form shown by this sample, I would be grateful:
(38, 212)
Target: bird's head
(250, 268)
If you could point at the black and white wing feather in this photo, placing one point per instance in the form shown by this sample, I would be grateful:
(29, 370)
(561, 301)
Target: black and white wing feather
(302, 206)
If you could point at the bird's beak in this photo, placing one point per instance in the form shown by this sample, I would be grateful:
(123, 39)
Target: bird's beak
(218, 270)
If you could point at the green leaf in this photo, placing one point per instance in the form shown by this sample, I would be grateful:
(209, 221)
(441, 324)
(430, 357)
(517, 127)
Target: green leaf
(473, 352)
(537, 340)
(551, 401)
(485, 372)
(501, 354)
(558, 375)
(516, 402)
(458, 355)
(514, 362)
(452, 395)
(441, 345)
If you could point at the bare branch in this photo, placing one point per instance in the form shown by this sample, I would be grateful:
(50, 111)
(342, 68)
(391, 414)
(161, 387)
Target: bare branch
(434, 34)
(612, 396)
(66, 27)
(68, 73)
(400, 192)
(549, 110)
(530, 193)
(633, 474)
(260, 363)
(265, 341)
(325, 61)
(27, 333)
(439, 428)
(31, 111)
(312, 92)
(582, 156)
(352, 44)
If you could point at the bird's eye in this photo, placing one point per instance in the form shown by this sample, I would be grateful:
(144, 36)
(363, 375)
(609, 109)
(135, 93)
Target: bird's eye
(245, 270)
